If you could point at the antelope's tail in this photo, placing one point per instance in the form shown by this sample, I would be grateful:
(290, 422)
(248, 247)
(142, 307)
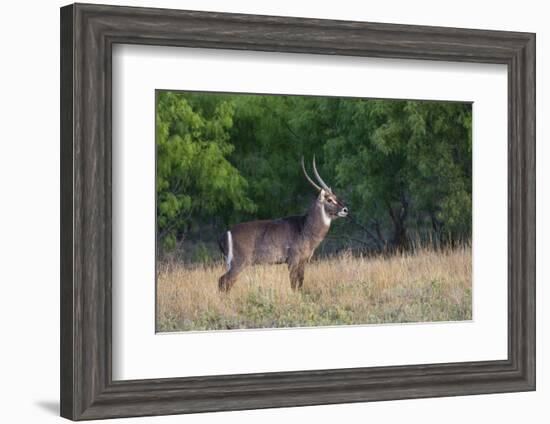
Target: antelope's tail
(225, 242)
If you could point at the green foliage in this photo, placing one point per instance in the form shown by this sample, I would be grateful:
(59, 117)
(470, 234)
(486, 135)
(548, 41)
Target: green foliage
(406, 163)
(402, 166)
(202, 254)
(194, 177)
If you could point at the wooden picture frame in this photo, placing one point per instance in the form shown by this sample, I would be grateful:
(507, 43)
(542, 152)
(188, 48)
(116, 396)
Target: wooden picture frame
(88, 33)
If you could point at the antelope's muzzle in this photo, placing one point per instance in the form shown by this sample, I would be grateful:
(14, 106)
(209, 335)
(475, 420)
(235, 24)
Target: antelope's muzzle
(343, 212)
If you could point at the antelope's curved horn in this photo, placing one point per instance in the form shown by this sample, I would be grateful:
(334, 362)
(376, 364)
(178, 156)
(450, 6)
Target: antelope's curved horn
(323, 184)
(307, 176)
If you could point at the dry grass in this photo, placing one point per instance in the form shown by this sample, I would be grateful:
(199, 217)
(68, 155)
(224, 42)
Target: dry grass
(420, 287)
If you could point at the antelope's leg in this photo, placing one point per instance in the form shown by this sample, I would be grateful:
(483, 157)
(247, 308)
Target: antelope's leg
(296, 274)
(301, 271)
(227, 280)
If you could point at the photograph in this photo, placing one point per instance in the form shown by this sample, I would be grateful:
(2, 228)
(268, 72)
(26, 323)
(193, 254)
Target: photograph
(281, 211)
(277, 213)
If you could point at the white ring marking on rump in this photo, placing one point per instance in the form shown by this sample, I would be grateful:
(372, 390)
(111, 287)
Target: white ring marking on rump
(229, 250)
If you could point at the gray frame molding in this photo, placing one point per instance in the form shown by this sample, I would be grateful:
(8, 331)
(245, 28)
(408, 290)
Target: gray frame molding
(88, 33)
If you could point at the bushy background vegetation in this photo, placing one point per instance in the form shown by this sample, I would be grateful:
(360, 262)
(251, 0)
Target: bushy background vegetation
(404, 167)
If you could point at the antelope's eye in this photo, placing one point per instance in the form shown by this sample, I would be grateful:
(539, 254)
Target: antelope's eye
(330, 200)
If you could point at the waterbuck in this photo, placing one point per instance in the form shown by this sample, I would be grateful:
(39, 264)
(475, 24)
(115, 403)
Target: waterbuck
(291, 240)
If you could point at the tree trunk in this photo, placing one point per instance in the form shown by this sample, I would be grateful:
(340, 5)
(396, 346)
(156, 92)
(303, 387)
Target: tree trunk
(400, 240)
(437, 229)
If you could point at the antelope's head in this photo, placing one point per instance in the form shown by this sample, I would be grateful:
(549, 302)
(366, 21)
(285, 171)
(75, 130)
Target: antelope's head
(333, 207)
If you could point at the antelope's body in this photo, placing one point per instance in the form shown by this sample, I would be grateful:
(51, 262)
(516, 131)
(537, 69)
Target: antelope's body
(291, 240)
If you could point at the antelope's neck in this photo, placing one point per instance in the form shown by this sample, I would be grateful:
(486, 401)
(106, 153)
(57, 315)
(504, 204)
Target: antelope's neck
(317, 224)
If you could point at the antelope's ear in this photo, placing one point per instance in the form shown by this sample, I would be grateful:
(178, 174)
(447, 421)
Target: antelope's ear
(322, 194)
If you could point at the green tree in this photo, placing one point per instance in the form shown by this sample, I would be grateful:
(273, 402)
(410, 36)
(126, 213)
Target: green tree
(269, 142)
(194, 177)
(404, 167)
(441, 143)
(406, 164)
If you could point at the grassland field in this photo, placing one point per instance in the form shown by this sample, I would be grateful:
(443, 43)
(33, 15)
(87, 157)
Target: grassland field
(422, 286)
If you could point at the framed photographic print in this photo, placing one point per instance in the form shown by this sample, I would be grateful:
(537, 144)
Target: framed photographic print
(263, 211)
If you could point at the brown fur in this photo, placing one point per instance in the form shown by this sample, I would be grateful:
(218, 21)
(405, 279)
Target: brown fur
(291, 240)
